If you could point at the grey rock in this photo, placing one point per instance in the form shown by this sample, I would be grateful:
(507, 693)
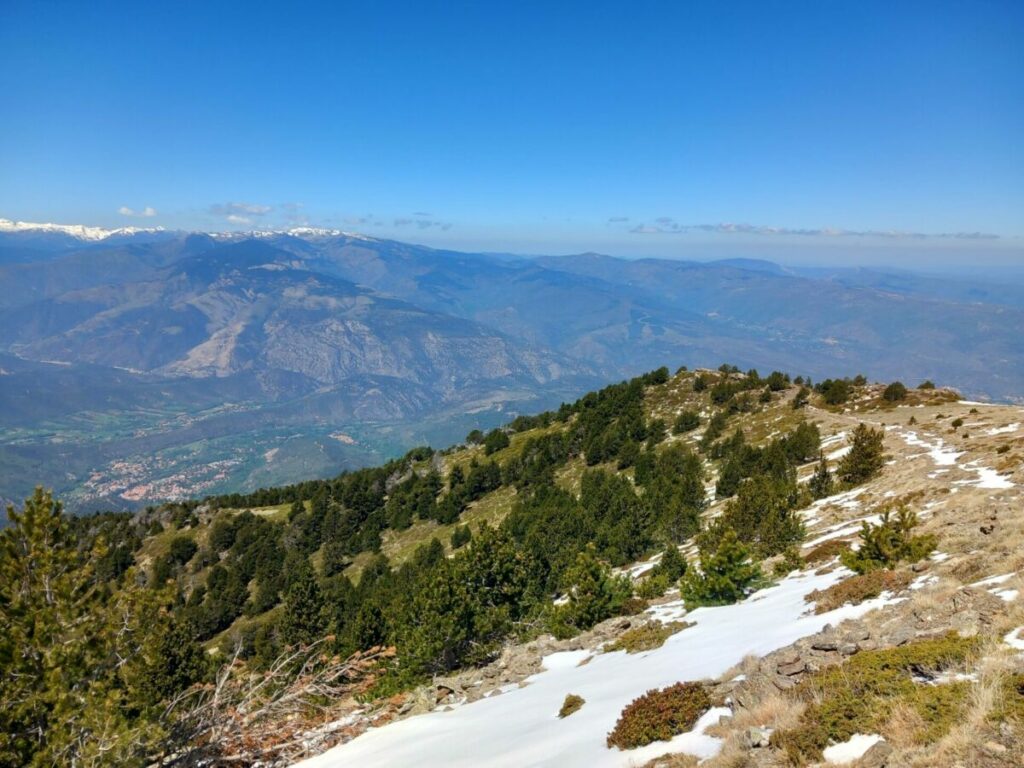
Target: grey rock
(791, 669)
(755, 738)
(878, 756)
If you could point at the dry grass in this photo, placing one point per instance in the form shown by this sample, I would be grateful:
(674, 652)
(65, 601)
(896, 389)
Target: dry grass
(973, 728)
(774, 711)
(673, 761)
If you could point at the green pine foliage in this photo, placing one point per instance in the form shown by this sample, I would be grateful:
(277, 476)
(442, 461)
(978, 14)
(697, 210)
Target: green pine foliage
(866, 457)
(592, 593)
(889, 543)
(496, 440)
(687, 421)
(726, 575)
(895, 392)
(822, 483)
(85, 671)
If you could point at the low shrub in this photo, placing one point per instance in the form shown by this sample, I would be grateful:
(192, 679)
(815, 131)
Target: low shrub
(571, 704)
(687, 421)
(856, 589)
(659, 715)
(888, 543)
(894, 392)
(859, 696)
(631, 606)
(646, 637)
(1011, 703)
(791, 561)
(826, 551)
(956, 423)
(653, 586)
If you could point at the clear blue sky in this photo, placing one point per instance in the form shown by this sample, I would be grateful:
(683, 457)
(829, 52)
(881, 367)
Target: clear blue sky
(634, 128)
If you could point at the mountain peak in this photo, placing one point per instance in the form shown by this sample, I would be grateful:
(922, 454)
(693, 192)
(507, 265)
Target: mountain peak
(80, 231)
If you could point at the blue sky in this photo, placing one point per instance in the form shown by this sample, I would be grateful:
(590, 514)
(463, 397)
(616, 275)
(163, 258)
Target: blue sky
(805, 132)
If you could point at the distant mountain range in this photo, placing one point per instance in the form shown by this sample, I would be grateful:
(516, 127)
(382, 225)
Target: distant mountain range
(138, 365)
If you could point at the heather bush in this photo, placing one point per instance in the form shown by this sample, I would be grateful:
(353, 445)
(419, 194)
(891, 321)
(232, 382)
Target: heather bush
(659, 715)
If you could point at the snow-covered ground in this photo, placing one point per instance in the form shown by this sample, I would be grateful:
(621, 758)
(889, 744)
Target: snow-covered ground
(944, 456)
(521, 727)
(853, 749)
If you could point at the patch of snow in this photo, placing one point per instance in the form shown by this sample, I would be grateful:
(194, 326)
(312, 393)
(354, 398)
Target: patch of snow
(1015, 638)
(836, 438)
(987, 478)
(668, 612)
(940, 454)
(838, 453)
(1006, 595)
(991, 580)
(852, 749)
(1003, 430)
(847, 528)
(564, 659)
(521, 728)
(939, 557)
(923, 581)
(945, 678)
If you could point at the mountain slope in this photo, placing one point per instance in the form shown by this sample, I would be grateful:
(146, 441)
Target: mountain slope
(311, 332)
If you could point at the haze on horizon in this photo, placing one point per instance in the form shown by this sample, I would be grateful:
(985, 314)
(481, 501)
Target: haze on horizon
(810, 133)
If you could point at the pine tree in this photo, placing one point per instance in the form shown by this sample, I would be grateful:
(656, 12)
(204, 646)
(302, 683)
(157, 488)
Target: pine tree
(672, 564)
(593, 594)
(725, 576)
(303, 620)
(71, 659)
(888, 543)
(866, 457)
(821, 483)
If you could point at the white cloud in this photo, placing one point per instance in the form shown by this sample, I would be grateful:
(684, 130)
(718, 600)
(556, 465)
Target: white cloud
(146, 213)
(234, 218)
(240, 210)
(667, 225)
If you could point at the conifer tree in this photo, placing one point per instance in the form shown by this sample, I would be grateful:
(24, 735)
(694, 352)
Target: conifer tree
(866, 457)
(303, 620)
(725, 575)
(821, 483)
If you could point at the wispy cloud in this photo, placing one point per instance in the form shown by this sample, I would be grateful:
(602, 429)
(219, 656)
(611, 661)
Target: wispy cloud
(240, 213)
(618, 219)
(146, 213)
(668, 225)
(423, 223)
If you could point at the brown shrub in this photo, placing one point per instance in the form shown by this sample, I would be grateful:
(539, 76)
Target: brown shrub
(857, 589)
(659, 715)
(826, 551)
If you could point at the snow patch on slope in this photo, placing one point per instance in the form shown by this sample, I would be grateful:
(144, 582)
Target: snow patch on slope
(521, 728)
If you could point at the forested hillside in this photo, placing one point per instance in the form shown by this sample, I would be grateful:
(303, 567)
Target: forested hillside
(114, 625)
